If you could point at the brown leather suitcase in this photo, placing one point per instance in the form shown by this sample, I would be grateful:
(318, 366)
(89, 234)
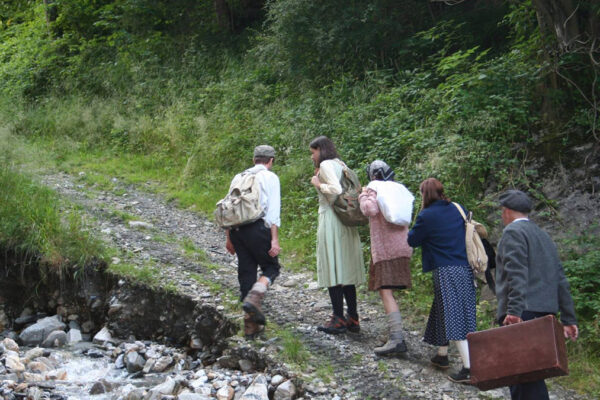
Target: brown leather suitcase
(519, 353)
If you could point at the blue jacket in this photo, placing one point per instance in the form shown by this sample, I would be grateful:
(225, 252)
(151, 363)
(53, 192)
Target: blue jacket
(440, 231)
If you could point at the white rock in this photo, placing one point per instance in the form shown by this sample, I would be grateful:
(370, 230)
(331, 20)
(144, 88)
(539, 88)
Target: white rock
(74, 336)
(258, 390)
(225, 393)
(193, 396)
(140, 224)
(276, 380)
(165, 388)
(162, 363)
(102, 336)
(10, 344)
(285, 391)
(13, 364)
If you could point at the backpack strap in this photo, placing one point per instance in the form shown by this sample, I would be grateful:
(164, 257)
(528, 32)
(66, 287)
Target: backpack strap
(460, 210)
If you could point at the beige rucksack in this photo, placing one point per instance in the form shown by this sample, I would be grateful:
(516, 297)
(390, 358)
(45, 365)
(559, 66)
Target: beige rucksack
(476, 254)
(241, 206)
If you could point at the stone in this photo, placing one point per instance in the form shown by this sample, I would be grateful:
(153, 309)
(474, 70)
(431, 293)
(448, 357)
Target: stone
(246, 365)
(102, 336)
(225, 393)
(120, 361)
(10, 344)
(276, 380)
(57, 375)
(134, 362)
(13, 364)
(149, 364)
(74, 336)
(55, 339)
(162, 363)
(285, 391)
(192, 396)
(35, 334)
(101, 386)
(39, 367)
(32, 377)
(228, 361)
(258, 390)
(140, 224)
(87, 326)
(166, 388)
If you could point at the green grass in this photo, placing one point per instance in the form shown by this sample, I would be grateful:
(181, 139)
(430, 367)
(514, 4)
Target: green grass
(193, 252)
(148, 274)
(34, 221)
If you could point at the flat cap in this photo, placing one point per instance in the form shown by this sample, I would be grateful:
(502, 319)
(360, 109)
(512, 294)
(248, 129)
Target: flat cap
(264, 151)
(516, 200)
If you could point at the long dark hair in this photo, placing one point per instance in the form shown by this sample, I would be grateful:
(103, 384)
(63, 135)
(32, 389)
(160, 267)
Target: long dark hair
(432, 191)
(326, 148)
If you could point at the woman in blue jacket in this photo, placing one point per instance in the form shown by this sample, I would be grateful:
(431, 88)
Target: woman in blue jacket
(440, 231)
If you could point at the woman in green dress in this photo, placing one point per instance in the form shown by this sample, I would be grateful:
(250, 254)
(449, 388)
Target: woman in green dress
(340, 265)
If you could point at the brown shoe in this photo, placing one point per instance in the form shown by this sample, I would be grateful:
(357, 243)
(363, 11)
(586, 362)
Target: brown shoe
(251, 328)
(334, 326)
(252, 304)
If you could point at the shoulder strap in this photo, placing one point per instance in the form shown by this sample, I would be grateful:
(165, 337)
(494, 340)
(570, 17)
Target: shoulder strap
(460, 210)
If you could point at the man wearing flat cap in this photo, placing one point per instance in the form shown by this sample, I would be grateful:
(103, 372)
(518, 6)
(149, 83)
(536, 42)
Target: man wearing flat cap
(530, 281)
(257, 243)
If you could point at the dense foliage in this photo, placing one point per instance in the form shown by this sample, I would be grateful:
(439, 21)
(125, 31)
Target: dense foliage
(180, 91)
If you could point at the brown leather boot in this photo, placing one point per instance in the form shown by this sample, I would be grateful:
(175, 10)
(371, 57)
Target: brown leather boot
(251, 328)
(252, 304)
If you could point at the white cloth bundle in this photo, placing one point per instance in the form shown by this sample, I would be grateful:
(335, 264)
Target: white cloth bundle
(395, 201)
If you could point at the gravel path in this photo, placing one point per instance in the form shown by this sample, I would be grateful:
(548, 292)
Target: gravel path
(293, 301)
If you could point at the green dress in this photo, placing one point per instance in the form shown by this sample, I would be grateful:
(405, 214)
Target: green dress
(339, 252)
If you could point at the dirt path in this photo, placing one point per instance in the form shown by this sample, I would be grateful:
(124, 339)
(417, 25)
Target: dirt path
(293, 301)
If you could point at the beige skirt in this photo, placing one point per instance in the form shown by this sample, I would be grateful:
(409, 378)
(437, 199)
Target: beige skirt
(390, 274)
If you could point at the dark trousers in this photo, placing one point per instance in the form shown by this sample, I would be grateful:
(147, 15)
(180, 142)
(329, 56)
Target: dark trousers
(252, 243)
(532, 390)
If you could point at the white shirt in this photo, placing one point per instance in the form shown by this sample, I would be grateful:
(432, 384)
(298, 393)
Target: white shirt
(270, 194)
(520, 219)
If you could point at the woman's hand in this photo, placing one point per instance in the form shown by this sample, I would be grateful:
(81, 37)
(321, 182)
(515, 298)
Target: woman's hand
(315, 181)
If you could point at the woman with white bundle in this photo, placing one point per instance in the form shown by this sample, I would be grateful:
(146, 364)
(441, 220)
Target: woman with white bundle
(388, 205)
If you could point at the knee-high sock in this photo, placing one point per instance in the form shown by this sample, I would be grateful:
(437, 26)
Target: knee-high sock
(350, 295)
(336, 294)
(463, 349)
(395, 321)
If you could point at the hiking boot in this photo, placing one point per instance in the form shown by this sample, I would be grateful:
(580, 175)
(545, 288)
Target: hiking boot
(251, 306)
(352, 324)
(251, 328)
(391, 347)
(462, 376)
(334, 326)
(440, 361)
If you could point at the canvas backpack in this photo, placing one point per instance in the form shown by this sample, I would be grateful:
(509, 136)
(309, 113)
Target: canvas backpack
(241, 206)
(476, 254)
(346, 205)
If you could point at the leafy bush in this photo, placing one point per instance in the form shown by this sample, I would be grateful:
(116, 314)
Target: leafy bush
(582, 257)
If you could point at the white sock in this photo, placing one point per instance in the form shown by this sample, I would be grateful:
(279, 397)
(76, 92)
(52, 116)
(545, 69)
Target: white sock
(259, 287)
(463, 349)
(443, 351)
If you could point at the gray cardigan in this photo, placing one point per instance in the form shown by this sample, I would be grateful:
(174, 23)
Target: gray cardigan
(529, 274)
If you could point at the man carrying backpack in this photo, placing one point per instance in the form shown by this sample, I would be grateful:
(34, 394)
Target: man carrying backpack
(530, 281)
(257, 242)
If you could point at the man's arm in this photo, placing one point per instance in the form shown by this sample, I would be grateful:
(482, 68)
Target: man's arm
(275, 249)
(516, 268)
